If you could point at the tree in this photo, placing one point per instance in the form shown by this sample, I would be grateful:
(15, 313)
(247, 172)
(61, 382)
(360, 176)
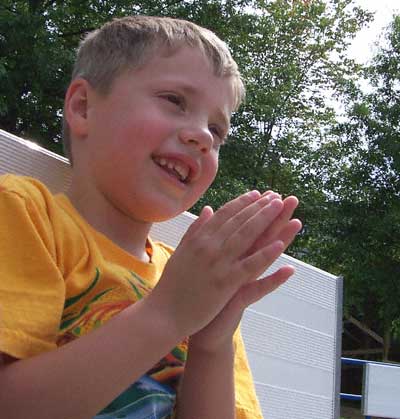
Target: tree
(361, 239)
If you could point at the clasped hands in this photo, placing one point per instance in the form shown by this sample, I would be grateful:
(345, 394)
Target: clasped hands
(214, 273)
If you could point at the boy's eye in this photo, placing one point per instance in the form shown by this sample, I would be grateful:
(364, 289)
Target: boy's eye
(175, 99)
(218, 134)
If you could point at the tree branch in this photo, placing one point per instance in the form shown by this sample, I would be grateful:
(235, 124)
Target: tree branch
(365, 329)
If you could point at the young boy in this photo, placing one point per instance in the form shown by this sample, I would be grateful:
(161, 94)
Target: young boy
(96, 317)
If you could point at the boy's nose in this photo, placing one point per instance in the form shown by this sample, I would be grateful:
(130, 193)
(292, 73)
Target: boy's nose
(200, 138)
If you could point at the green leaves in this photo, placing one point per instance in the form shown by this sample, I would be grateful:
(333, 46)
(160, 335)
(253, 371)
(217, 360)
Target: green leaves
(365, 190)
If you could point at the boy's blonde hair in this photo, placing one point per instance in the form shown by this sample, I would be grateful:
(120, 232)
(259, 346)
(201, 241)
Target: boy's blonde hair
(126, 43)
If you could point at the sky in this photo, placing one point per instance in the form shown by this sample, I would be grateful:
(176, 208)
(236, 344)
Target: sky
(363, 46)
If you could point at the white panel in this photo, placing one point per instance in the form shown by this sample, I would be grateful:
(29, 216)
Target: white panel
(275, 337)
(296, 310)
(381, 391)
(281, 403)
(171, 231)
(309, 285)
(278, 372)
(292, 336)
(26, 158)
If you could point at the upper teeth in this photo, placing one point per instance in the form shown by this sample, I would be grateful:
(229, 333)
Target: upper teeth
(181, 169)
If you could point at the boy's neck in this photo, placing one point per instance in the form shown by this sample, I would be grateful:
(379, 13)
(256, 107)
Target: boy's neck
(129, 234)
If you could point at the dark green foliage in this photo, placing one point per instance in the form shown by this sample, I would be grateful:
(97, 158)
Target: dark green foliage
(361, 239)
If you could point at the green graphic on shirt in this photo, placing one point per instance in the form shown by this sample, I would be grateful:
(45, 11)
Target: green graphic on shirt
(73, 300)
(97, 310)
(70, 318)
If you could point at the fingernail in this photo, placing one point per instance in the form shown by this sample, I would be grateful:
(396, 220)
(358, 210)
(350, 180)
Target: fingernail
(267, 193)
(253, 194)
(273, 196)
(279, 244)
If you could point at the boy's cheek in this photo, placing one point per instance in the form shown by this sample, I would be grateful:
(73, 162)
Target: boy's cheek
(212, 170)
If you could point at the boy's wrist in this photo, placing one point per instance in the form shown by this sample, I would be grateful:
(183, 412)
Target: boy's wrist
(204, 349)
(162, 321)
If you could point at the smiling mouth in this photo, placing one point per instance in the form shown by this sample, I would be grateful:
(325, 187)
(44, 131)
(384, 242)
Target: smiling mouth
(174, 168)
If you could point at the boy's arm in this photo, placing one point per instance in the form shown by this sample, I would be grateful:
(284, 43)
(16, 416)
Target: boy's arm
(81, 378)
(208, 389)
(218, 385)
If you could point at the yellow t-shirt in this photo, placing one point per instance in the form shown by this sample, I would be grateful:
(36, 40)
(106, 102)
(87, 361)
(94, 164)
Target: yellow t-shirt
(60, 279)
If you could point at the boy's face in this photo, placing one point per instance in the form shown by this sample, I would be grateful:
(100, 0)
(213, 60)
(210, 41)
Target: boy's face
(153, 141)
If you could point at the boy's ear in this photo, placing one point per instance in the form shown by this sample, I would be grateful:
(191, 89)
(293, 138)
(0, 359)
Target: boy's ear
(76, 107)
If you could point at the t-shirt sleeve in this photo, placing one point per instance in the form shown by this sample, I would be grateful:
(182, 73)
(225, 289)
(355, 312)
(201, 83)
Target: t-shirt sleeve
(31, 286)
(247, 405)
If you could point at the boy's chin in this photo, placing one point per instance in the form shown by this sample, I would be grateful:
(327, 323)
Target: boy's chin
(162, 216)
(156, 209)
(158, 215)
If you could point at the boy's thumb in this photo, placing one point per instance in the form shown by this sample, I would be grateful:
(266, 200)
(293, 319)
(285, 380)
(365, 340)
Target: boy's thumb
(205, 214)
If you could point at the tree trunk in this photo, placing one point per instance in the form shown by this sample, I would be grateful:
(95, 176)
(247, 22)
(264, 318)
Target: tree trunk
(386, 340)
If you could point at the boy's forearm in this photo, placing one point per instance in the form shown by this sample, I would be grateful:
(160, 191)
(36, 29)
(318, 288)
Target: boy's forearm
(79, 379)
(208, 389)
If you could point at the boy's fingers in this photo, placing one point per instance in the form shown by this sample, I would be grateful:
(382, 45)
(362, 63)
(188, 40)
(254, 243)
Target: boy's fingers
(290, 231)
(230, 209)
(253, 266)
(254, 291)
(241, 233)
(274, 231)
(238, 220)
(289, 205)
(205, 215)
(287, 235)
(271, 194)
